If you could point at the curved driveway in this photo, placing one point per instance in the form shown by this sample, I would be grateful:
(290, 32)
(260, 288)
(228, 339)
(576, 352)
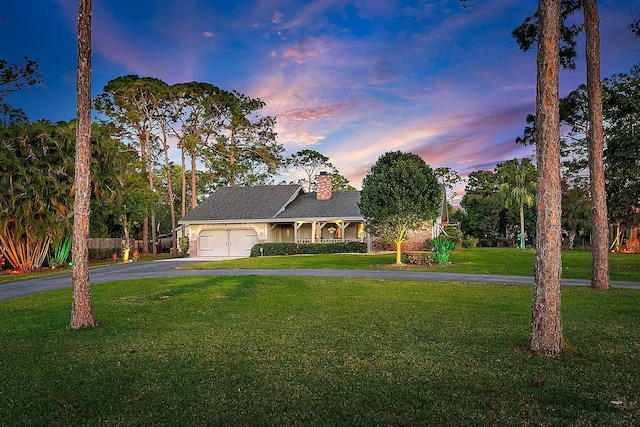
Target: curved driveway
(167, 268)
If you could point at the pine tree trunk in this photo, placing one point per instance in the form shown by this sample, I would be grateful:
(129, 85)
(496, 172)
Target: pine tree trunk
(154, 234)
(194, 193)
(81, 307)
(145, 235)
(521, 226)
(599, 221)
(172, 206)
(546, 325)
(184, 184)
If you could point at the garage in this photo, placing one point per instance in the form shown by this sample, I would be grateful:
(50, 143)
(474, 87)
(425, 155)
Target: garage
(227, 243)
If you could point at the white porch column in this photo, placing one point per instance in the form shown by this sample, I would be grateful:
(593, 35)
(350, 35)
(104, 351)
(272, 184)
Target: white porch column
(296, 227)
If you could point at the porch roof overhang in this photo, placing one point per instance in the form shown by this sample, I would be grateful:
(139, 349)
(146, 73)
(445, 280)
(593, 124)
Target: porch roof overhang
(271, 220)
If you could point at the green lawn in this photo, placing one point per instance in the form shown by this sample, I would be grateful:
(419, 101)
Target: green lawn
(504, 261)
(316, 351)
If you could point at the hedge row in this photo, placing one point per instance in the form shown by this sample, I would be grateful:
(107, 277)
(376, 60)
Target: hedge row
(271, 249)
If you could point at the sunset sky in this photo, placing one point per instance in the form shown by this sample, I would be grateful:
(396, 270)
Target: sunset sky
(350, 79)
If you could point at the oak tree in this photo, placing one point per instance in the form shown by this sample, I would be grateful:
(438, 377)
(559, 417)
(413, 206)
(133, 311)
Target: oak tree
(400, 193)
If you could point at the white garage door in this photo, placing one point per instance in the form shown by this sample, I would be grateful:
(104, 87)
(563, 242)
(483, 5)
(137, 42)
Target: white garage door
(234, 243)
(214, 243)
(241, 242)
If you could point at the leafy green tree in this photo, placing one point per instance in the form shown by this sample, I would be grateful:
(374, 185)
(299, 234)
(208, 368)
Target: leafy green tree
(311, 162)
(622, 107)
(245, 150)
(576, 209)
(195, 113)
(399, 194)
(339, 182)
(36, 178)
(10, 115)
(484, 212)
(517, 188)
(135, 105)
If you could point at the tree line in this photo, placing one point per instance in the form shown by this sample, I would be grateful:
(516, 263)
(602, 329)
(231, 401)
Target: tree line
(135, 185)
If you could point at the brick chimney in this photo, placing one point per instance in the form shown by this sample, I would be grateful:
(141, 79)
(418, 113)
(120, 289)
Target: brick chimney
(323, 186)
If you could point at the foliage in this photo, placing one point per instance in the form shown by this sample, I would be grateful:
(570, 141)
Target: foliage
(621, 102)
(245, 151)
(447, 176)
(469, 242)
(441, 250)
(453, 233)
(526, 34)
(484, 212)
(184, 244)
(339, 182)
(400, 193)
(36, 183)
(517, 188)
(416, 258)
(311, 162)
(60, 252)
(14, 77)
(272, 249)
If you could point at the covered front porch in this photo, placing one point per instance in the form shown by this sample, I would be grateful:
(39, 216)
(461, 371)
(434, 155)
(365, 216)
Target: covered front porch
(318, 231)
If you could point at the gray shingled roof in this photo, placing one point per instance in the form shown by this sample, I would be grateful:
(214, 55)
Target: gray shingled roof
(242, 203)
(342, 204)
(271, 202)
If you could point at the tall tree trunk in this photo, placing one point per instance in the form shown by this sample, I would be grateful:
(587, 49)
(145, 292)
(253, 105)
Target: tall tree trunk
(194, 200)
(154, 234)
(143, 158)
(172, 206)
(546, 325)
(81, 307)
(184, 185)
(521, 226)
(599, 222)
(184, 192)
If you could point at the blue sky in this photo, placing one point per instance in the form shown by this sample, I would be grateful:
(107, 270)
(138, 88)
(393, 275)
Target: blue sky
(350, 79)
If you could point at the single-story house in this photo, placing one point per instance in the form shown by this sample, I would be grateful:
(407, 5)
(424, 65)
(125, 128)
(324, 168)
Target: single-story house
(233, 219)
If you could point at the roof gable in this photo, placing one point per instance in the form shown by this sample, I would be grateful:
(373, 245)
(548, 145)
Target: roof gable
(342, 204)
(244, 203)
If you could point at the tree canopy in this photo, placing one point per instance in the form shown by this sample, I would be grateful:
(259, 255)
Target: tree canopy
(399, 194)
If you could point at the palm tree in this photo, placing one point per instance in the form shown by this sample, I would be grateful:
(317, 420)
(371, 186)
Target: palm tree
(517, 188)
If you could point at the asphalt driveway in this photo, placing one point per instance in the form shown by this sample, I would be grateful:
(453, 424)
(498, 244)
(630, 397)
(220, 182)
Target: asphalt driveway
(167, 268)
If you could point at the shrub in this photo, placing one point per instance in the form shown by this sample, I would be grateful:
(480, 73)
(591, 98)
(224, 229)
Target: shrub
(416, 258)
(470, 242)
(442, 250)
(271, 249)
(183, 244)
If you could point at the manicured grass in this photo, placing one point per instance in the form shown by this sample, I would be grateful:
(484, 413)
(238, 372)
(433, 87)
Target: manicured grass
(504, 261)
(316, 351)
